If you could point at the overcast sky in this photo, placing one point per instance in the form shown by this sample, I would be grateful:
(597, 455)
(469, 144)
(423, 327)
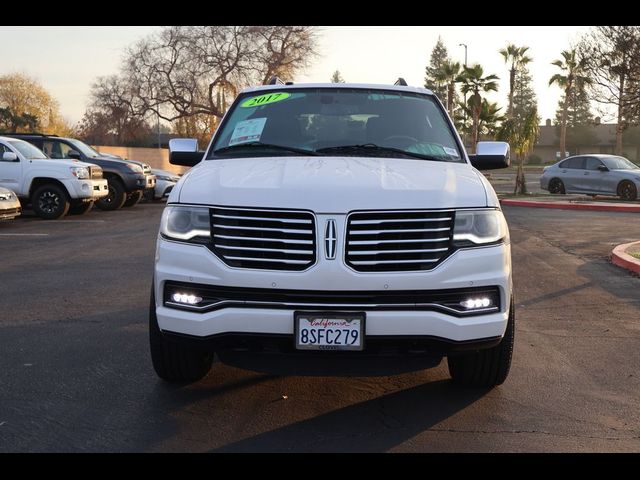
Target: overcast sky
(67, 59)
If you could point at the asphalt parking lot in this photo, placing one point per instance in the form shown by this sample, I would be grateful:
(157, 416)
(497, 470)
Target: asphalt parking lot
(75, 372)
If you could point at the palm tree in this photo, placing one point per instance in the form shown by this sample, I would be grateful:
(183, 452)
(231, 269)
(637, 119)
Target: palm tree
(571, 81)
(522, 137)
(475, 83)
(518, 58)
(489, 119)
(448, 75)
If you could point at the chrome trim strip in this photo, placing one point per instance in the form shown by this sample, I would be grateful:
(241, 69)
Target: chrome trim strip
(420, 240)
(266, 239)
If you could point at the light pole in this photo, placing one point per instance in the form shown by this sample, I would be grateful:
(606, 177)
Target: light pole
(465, 94)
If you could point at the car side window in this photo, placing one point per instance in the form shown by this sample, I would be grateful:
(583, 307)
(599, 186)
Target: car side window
(592, 163)
(56, 149)
(573, 163)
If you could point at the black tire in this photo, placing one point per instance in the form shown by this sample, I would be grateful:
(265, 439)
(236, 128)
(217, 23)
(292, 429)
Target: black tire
(556, 186)
(486, 368)
(172, 361)
(50, 201)
(133, 198)
(80, 208)
(116, 198)
(627, 191)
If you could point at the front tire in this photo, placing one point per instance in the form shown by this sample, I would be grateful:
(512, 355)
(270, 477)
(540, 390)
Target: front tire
(556, 186)
(116, 197)
(133, 198)
(50, 202)
(486, 368)
(627, 191)
(172, 361)
(80, 208)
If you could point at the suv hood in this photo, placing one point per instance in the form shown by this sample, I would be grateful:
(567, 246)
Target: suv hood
(61, 162)
(332, 184)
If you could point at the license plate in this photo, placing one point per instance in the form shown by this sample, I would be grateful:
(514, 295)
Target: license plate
(329, 331)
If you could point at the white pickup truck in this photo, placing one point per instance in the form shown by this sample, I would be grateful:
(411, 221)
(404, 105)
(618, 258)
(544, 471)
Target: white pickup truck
(52, 187)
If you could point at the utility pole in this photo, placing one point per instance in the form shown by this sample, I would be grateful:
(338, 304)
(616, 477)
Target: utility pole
(464, 140)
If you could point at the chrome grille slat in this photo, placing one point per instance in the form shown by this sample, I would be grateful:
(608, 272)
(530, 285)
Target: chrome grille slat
(263, 239)
(420, 220)
(267, 239)
(397, 241)
(412, 230)
(379, 252)
(417, 240)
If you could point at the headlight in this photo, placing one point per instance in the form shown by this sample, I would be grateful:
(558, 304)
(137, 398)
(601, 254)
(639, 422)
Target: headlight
(479, 227)
(186, 224)
(6, 196)
(134, 168)
(81, 173)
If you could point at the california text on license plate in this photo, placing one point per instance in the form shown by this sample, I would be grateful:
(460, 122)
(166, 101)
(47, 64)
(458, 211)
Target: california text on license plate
(329, 331)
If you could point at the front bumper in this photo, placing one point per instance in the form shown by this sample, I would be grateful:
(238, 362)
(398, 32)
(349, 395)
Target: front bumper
(149, 182)
(10, 209)
(466, 268)
(87, 190)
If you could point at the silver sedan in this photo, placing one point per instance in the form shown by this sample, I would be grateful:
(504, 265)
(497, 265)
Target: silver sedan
(593, 174)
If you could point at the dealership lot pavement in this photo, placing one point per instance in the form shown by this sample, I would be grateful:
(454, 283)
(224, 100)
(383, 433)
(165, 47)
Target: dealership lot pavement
(75, 372)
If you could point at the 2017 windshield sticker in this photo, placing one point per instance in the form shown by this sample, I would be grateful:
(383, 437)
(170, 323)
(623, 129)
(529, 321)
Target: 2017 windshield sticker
(265, 99)
(248, 131)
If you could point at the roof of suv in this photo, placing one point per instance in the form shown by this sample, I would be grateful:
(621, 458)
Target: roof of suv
(364, 86)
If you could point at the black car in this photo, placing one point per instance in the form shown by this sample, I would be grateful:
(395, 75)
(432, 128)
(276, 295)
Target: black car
(127, 180)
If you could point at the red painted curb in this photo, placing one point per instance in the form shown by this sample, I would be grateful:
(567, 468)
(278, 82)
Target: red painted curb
(571, 206)
(620, 258)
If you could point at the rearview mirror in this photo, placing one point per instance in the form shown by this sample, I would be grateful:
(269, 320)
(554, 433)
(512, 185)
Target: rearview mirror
(74, 154)
(603, 168)
(184, 152)
(491, 156)
(9, 157)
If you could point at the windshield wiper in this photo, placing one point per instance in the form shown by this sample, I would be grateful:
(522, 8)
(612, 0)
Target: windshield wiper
(372, 147)
(260, 145)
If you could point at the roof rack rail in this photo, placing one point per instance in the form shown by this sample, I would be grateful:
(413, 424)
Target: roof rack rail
(275, 80)
(401, 82)
(29, 134)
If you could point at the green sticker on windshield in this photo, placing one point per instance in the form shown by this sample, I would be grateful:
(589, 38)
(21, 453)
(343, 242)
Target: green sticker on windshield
(265, 99)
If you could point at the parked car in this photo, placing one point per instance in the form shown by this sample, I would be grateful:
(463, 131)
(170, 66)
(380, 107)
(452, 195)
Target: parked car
(53, 188)
(593, 174)
(127, 179)
(165, 181)
(332, 224)
(9, 204)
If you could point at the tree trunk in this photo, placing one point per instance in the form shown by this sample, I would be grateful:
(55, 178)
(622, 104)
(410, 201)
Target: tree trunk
(476, 117)
(620, 126)
(451, 94)
(563, 126)
(521, 181)
(512, 85)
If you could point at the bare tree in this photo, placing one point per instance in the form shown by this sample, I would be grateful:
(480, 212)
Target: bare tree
(183, 71)
(612, 56)
(111, 117)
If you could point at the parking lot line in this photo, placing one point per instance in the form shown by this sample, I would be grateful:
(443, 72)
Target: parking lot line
(24, 234)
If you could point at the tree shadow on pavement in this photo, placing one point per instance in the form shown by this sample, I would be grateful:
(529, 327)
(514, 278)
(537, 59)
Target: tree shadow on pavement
(375, 425)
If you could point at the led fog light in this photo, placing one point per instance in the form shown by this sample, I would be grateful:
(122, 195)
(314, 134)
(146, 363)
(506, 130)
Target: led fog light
(186, 299)
(476, 303)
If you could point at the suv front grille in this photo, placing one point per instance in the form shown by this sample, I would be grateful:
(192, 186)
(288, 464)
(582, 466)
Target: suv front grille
(264, 239)
(398, 241)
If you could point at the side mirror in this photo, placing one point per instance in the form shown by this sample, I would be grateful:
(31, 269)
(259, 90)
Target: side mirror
(603, 168)
(74, 154)
(491, 156)
(9, 157)
(184, 152)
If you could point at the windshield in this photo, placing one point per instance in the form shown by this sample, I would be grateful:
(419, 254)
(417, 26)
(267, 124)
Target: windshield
(618, 163)
(27, 150)
(83, 148)
(336, 121)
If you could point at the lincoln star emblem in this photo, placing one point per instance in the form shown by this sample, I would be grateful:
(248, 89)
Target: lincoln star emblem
(330, 240)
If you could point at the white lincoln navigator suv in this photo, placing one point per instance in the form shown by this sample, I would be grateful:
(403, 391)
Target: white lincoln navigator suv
(334, 225)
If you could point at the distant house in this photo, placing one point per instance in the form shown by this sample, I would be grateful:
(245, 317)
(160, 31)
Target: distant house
(598, 138)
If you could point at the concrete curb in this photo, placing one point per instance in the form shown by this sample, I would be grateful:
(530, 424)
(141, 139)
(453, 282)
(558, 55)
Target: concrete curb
(572, 206)
(621, 258)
